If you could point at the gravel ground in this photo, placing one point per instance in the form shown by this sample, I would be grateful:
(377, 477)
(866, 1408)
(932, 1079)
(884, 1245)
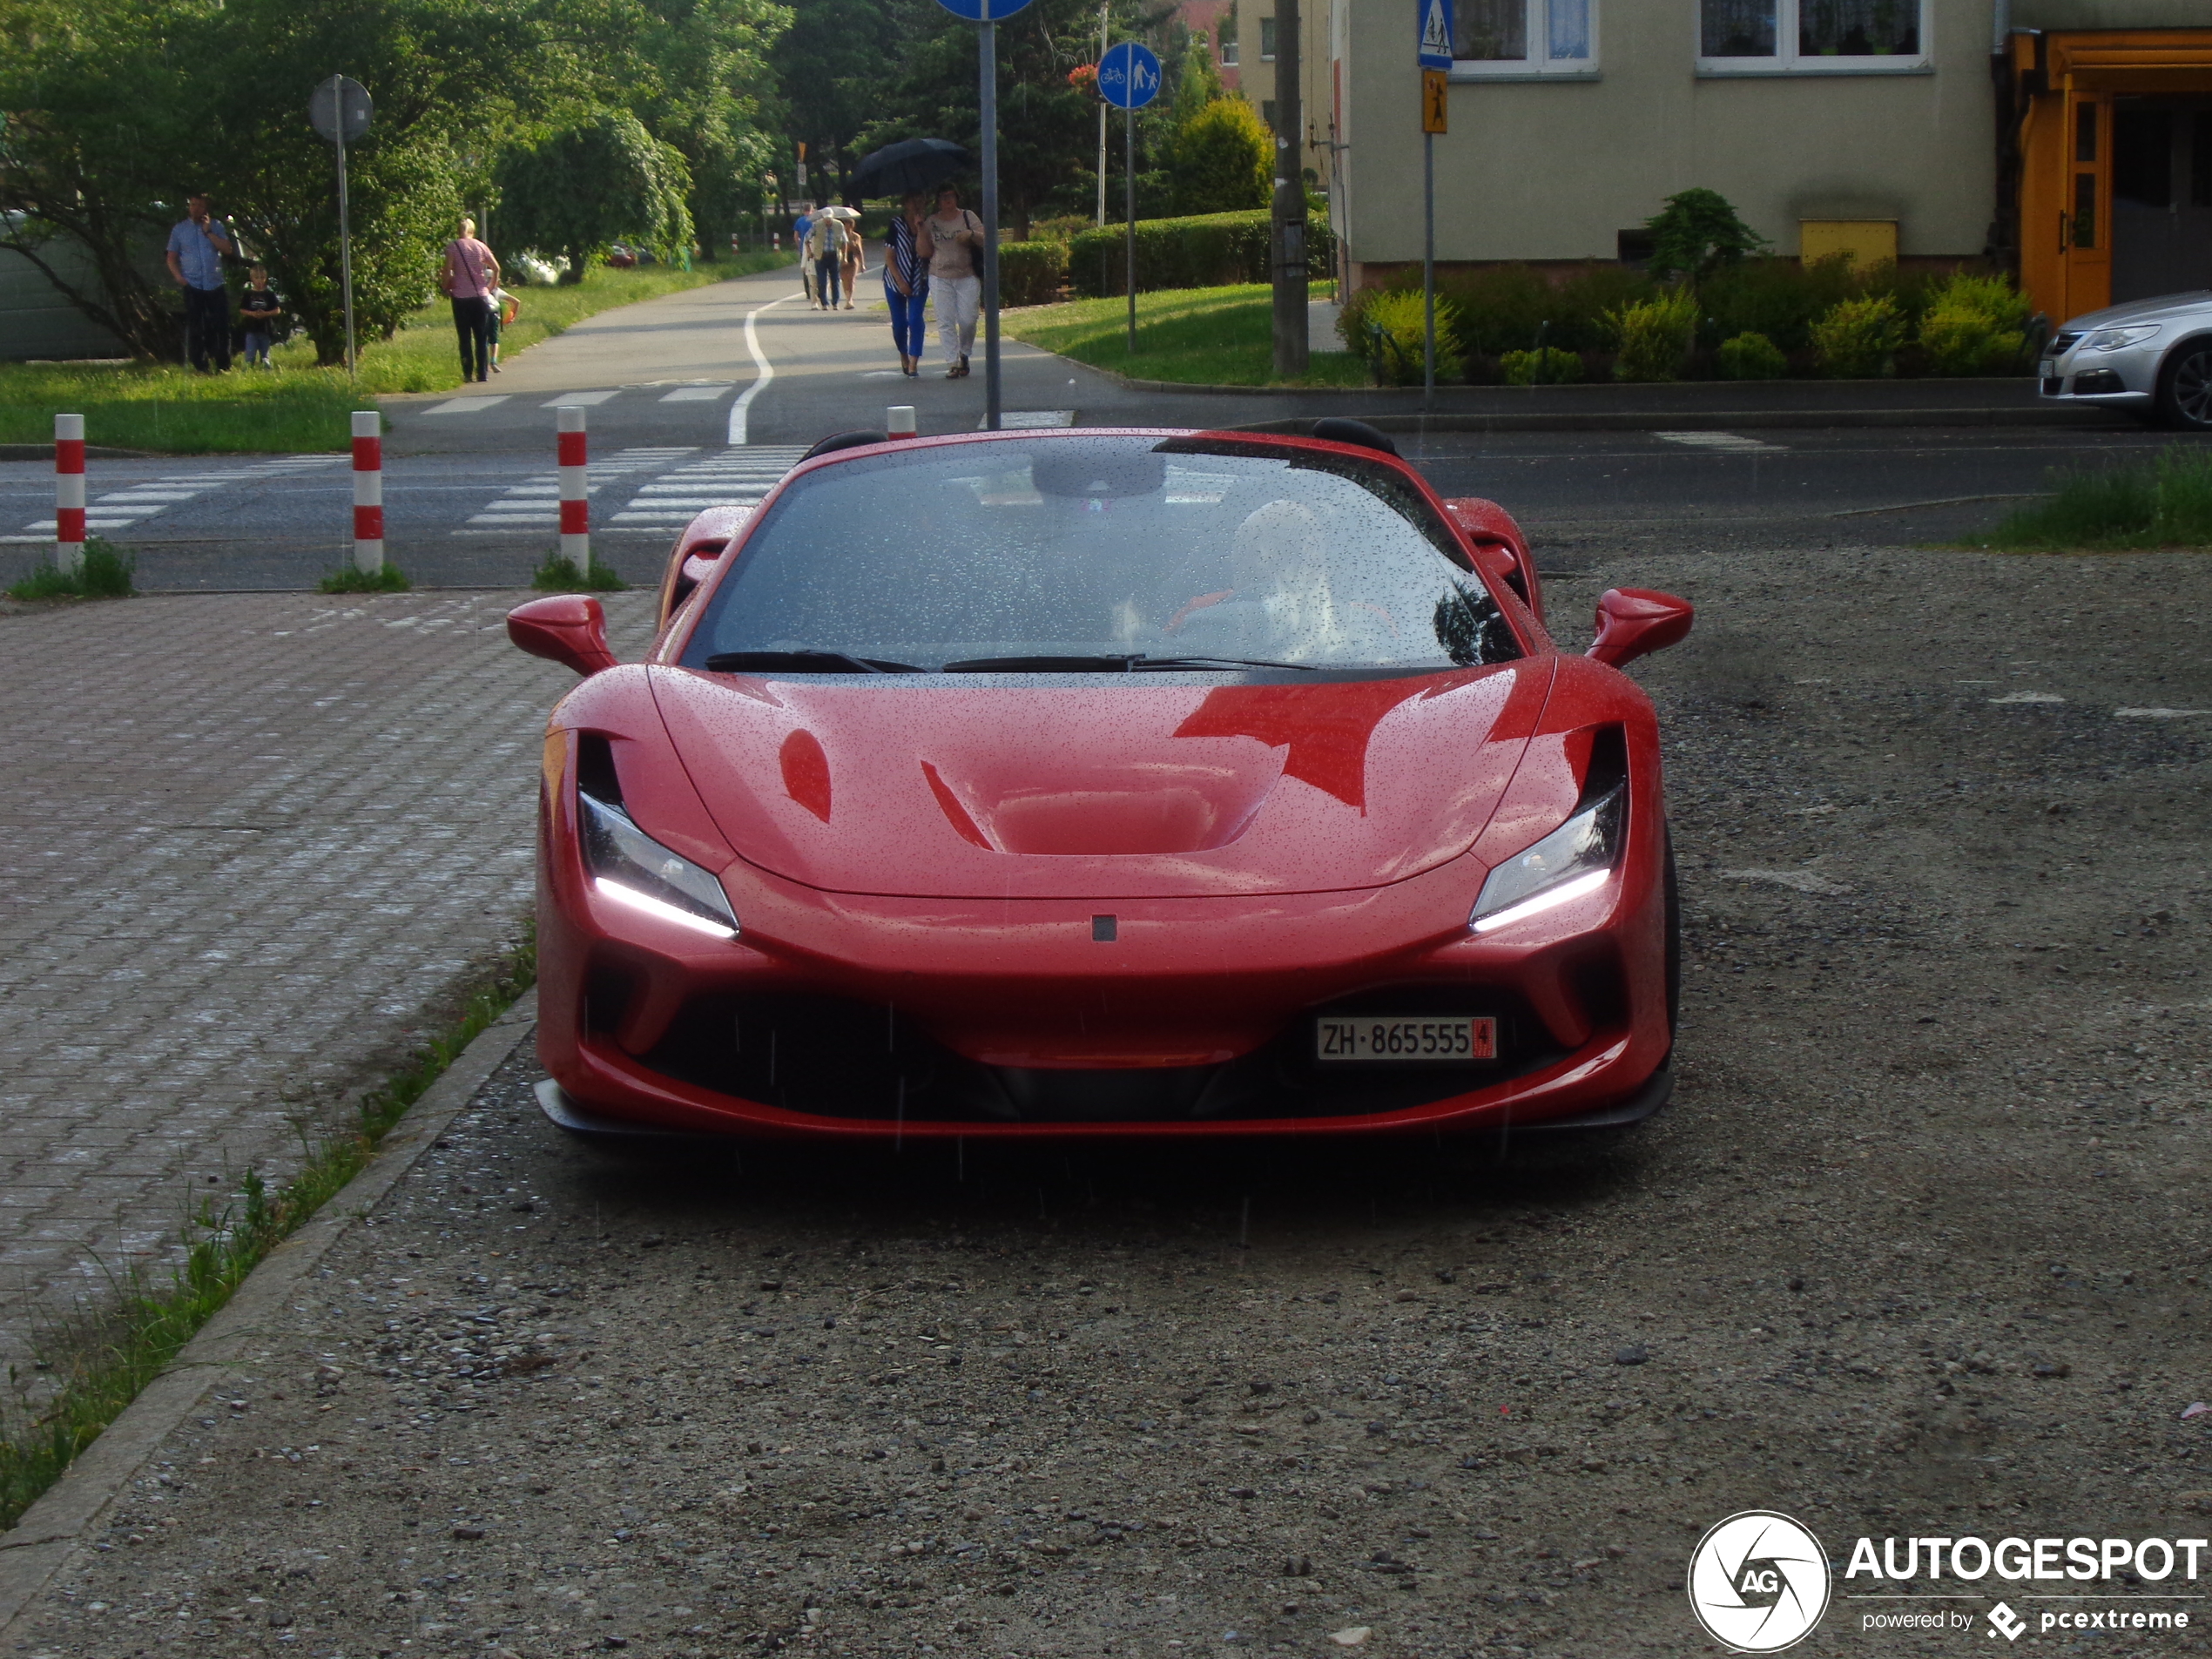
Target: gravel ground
(1917, 1249)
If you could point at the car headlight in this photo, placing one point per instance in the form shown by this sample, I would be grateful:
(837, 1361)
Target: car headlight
(632, 868)
(1576, 858)
(2114, 338)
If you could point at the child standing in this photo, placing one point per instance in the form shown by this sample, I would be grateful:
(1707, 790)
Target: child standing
(505, 308)
(259, 310)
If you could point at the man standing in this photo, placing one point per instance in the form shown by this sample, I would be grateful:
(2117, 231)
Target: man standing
(197, 247)
(953, 243)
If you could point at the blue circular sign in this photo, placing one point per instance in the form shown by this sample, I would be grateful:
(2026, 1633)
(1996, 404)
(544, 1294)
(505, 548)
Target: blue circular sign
(983, 11)
(1128, 75)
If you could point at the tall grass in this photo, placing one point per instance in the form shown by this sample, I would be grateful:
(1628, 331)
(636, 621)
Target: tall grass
(1197, 336)
(152, 1321)
(296, 407)
(2166, 502)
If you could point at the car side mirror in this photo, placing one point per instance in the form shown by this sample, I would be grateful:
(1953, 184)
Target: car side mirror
(1634, 622)
(569, 629)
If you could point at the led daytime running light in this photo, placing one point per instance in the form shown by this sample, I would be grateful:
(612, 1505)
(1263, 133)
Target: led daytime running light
(652, 907)
(1543, 901)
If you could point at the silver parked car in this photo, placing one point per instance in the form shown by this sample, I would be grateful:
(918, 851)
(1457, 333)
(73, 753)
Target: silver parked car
(2150, 357)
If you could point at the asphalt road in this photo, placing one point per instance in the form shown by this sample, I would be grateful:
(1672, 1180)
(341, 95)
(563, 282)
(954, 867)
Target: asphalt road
(469, 483)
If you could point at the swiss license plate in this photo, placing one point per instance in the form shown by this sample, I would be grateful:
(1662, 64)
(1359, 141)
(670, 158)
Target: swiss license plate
(1410, 1038)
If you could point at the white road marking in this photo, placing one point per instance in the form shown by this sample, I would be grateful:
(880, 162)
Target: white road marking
(696, 393)
(1734, 441)
(1799, 881)
(585, 399)
(2028, 696)
(2158, 714)
(466, 405)
(742, 408)
(1030, 419)
(120, 508)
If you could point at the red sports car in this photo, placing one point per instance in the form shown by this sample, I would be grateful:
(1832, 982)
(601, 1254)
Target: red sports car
(1103, 782)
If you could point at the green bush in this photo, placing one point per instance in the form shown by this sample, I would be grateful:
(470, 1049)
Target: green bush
(1550, 367)
(1751, 357)
(1974, 324)
(1698, 231)
(1207, 251)
(1780, 298)
(105, 574)
(1395, 340)
(1031, 273)
(1652, 337)
(1221, 159)
(1501, 307)
(1858, 338)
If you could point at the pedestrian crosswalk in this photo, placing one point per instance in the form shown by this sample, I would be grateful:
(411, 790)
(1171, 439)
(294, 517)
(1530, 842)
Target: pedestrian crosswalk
(727, 477)
(534, 503)
(118, 510)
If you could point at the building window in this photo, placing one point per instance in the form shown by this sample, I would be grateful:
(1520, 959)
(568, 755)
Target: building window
(1811, 36)
(1509, 39)
(1267, 40)
(1228, 59)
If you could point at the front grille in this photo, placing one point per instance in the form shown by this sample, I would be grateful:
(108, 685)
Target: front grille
(832, 1058)
(2061, 344)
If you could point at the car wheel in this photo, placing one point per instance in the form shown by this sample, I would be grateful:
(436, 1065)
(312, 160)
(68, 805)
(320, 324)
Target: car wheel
(2185, 388)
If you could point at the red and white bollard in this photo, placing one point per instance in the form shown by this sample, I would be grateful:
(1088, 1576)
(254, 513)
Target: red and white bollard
(69, 494)
(575, 491)
(368, 492)
(898, 421)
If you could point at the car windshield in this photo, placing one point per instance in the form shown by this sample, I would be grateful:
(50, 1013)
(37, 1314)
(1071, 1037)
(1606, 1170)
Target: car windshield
(1101, 553)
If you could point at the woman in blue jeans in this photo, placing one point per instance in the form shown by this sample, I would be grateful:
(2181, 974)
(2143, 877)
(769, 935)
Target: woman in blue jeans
(905, 281)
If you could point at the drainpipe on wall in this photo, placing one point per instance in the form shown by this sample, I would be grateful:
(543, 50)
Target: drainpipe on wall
(2001, 23)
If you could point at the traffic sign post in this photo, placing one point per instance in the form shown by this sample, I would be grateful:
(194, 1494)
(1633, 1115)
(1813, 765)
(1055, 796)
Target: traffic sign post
(1128, 79)
(986, 14)
(1435, 55)
(340, 110)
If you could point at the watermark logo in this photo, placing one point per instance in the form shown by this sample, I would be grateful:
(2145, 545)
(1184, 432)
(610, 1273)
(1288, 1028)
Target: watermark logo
(1758, 1582)
(2006, 1622)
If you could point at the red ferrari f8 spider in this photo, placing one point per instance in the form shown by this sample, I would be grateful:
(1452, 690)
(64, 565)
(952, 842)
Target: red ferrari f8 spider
(1103, 782)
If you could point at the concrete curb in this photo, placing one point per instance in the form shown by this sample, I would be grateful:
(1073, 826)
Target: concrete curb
(96, 451)
(1698, 420)
(40, 1546)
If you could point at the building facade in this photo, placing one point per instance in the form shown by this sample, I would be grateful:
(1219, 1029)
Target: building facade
(2070, 139)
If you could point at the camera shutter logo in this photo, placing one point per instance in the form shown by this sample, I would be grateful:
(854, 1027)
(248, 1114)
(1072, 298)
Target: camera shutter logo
(1758, 1582)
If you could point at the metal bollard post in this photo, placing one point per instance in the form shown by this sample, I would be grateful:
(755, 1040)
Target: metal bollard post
(898, 421)
(69, 494)
(575, 491)
(368, 491)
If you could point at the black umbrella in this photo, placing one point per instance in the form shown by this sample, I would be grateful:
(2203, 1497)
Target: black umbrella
(911, 164)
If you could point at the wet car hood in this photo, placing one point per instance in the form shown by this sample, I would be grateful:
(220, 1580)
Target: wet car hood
(2159, 310)
(1101, 787)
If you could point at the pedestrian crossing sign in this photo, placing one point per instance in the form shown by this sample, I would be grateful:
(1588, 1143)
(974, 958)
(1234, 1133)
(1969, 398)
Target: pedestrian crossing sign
(1436, 33)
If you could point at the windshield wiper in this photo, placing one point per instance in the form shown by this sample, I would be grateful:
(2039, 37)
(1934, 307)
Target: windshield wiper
(1215, 662)
(802, 662)
(1130, 663)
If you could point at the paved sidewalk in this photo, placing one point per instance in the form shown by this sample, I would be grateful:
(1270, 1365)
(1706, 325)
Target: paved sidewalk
(249, 841)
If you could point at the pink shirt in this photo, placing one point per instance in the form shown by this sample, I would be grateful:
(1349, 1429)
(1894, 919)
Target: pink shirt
(470, 263)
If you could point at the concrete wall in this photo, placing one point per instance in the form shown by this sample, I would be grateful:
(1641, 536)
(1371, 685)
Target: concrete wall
(1555, 171)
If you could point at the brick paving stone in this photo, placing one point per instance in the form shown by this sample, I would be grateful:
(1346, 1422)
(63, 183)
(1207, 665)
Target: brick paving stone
(249, 841)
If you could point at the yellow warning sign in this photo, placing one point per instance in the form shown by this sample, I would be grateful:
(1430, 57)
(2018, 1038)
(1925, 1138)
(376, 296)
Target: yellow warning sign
(1436, 104)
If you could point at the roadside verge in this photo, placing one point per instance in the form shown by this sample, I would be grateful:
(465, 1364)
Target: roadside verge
(63, 1520)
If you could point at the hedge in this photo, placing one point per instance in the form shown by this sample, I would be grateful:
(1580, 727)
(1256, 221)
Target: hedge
(1030, 274)
(1204, 251)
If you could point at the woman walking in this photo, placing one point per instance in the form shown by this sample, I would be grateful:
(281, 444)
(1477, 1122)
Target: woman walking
(470, 277)
(953, 243)
(905, 281)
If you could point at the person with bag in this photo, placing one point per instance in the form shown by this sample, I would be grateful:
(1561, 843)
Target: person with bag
(953, 243)
(905, 281)
(469, 278)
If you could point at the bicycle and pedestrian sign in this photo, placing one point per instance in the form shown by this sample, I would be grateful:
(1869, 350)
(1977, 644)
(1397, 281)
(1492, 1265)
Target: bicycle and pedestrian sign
(1128, 75)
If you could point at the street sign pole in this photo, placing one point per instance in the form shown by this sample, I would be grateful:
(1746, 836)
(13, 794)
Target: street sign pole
(340, 110)
(346, 256)
(1432, 21)
(1129, 76)
(1290, 313)
(988, 44)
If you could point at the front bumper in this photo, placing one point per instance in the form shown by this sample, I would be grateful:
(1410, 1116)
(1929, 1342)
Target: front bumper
(2120, 380)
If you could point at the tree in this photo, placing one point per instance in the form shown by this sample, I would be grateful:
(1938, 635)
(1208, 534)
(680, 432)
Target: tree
(1221, 159)
(1696, 231)
(601, 180)
(704, 83)
(831, 68)
(1198, 85)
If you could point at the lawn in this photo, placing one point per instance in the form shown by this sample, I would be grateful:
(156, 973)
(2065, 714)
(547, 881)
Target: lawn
(297, 406)
(2163, 503)
(1198, 336)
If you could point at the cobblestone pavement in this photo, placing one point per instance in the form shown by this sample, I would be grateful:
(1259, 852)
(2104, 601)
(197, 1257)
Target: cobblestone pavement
(247, 842)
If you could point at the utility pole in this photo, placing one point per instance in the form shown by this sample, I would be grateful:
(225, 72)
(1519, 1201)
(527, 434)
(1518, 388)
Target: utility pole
(1288, 240)
(1102, 125)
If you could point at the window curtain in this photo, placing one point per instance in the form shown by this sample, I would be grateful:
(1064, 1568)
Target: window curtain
(1739, 28)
